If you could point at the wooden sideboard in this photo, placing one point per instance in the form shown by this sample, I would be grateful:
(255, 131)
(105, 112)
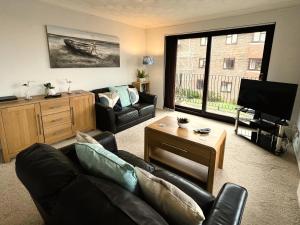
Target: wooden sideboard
(25, 122)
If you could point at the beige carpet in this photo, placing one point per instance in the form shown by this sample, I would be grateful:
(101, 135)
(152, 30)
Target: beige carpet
(272, 181)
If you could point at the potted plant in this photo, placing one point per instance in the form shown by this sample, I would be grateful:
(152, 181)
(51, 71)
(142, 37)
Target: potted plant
(50, 90)
(141, 75)
(182, 122)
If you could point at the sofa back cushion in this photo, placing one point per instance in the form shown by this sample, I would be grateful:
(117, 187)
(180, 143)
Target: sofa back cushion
(99, 161)
(93, 201)
(44, 170)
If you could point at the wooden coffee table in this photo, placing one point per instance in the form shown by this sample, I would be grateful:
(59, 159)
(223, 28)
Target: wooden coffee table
(193, 154)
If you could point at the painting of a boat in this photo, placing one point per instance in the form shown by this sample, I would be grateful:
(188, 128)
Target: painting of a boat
(72, 48)
(84, 48)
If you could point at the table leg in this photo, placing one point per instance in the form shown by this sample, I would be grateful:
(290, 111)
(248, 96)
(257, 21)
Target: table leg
(222, 152)
(146, 146)
(211, 173)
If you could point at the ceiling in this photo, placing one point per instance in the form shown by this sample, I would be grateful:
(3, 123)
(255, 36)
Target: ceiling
(157, 13)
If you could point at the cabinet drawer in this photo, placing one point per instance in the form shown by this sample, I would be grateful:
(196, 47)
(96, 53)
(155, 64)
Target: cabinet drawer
(56, 119)
(58, 133)
(55, 106)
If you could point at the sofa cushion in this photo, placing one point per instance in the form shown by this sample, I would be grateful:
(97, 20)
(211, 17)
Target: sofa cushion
(44, 170)
(94, 201)
(118, 106)
(127, 114)
(135, 161)
(99, 161)
(144, 108)
(176, 206)
(122, 91)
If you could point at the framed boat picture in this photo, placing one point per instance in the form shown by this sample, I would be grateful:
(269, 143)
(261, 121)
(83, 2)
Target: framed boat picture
(69, 48)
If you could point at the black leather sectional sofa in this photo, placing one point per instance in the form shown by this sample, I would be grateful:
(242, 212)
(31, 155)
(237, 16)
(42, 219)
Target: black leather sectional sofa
(65, 194)
(115, 121)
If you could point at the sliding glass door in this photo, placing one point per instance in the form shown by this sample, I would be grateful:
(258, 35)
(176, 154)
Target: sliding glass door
(210, 66)
(190, 68)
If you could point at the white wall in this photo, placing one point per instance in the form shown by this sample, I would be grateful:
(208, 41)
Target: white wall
(284, 64)
(24, 52)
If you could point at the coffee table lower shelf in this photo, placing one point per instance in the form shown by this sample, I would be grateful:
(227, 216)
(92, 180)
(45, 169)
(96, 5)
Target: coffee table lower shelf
(195, 170)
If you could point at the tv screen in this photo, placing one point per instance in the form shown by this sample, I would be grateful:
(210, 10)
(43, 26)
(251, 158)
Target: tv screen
(273, 98)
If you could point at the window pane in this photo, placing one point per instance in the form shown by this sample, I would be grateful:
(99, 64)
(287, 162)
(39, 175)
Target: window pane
(234, 38)
(190, 67)
(262, 36)
(228, 65)
(203, 41)
(201, 63)
(228, 39)
(256, 36)
(255, 64)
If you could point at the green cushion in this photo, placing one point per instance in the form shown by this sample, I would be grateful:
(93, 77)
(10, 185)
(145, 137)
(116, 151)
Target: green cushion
(122, 91)
(99, 161)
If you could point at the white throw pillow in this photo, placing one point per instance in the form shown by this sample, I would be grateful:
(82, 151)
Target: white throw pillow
(133, 95)
(108, 98)
(178, 207)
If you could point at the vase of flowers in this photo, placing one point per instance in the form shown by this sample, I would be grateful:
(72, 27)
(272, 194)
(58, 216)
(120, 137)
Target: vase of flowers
(69, 82)
(49, 89)
(141, 75)
(182, 122)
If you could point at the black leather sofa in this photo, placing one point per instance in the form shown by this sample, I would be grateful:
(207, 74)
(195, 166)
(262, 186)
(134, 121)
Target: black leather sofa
(65, 194)
(115, 121)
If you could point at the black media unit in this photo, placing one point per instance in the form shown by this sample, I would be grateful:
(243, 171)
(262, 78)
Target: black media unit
(268, 134)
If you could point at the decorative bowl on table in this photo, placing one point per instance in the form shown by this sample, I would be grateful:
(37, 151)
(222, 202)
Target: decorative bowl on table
(182, 122)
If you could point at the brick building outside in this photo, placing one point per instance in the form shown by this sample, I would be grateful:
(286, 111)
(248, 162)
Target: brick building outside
(233, 57)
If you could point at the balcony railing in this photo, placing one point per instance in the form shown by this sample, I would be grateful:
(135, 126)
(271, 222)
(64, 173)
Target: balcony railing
(222, 93)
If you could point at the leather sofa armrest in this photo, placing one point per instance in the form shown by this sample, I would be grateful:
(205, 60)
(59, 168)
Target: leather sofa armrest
(108, 140)
(148, 98)
(229, 206)
(105, 118)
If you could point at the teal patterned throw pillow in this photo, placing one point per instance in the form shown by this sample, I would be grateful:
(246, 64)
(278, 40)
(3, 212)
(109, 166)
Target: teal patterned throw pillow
(122, 91)
(99, 161)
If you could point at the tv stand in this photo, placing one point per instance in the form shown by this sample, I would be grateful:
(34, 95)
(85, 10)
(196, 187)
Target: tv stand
(262, 132)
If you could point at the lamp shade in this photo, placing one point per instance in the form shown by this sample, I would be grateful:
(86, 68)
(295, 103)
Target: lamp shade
(148, 60)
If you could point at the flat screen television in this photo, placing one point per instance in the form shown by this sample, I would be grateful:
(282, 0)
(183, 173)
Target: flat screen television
(273, 98)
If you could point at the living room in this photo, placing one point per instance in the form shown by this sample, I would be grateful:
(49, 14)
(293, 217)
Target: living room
(263, 187)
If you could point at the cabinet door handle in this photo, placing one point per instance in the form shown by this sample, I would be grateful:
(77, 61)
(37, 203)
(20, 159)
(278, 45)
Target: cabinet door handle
(39, 124)
(56, 120)
(55, 107)
(72, 115)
